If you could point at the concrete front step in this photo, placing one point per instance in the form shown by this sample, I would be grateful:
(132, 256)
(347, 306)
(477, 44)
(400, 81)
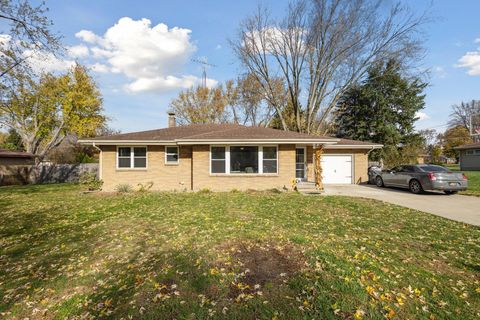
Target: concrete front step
(307, 188)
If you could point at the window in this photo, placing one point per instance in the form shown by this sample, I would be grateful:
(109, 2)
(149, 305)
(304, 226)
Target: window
(171, 154)
(218, 160)
(433, 168)
(243, 159)
(269, 159)
(132, 157)
(476, 152)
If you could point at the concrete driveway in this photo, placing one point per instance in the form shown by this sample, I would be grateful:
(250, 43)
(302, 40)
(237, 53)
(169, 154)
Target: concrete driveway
(456, 207)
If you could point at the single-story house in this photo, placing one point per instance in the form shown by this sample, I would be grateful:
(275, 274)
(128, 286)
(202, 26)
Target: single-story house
(469, 156)
(9, 158)
(222, 157)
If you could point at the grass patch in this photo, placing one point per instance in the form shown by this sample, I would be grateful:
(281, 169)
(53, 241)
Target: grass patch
(473, 181)
(233, 255)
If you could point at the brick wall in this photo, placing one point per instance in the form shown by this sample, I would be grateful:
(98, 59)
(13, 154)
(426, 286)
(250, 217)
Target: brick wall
(167, 177)
(202, 179)
(179, 177)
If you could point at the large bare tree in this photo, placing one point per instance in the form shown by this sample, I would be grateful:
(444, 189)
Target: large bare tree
(322, 47)
(465, 112)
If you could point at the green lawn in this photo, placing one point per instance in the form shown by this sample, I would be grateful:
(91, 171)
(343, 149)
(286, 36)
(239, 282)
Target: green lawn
(234, 255)
(473, 181)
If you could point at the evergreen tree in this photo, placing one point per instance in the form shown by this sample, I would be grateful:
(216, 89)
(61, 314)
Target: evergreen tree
(13, 141)
(382, 109)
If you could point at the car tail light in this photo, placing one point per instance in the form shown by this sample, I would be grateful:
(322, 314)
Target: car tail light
(431, 176)
(464, 177)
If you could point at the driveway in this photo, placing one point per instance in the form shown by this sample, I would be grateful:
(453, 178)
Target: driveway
(455, 207)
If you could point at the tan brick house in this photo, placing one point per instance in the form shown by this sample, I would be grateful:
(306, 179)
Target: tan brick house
(223, 157)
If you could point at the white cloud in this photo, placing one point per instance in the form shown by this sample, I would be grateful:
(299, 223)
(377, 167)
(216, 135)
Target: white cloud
(162, 84)
(88, 36)
(421, 115)
(46, 62)
(218, 47)
(440, 72)
(471, 61)
(152, 56)
(80, 51)
(99, 67)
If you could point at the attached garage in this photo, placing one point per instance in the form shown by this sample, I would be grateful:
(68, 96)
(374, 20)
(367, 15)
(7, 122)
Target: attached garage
(337, 168)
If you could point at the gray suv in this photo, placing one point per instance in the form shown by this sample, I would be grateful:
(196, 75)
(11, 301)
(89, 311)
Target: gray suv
(421, 177)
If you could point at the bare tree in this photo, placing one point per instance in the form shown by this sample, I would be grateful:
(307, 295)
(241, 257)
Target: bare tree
(25, 28)
(461, 113)
(321, 48)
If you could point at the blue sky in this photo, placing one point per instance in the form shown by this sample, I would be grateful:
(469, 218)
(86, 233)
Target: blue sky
(138, 85)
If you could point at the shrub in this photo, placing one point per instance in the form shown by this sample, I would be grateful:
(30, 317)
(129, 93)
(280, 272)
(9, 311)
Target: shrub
(205, 190)
(145, 187)
(123, 188)
(90, 180)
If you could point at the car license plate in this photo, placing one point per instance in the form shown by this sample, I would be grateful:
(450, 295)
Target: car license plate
(453, 184)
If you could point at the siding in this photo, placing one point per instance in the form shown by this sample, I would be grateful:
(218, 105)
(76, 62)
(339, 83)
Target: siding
(16, 161)
(469, 162)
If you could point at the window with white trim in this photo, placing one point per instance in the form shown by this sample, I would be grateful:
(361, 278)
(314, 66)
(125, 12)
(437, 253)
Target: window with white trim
(218, 159)
(243, 159)
(131, 157)
(171, 154)
(269, 159)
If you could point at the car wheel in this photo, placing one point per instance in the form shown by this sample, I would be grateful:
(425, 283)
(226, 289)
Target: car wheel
(450, 192)
(415, 187)
(379, 182)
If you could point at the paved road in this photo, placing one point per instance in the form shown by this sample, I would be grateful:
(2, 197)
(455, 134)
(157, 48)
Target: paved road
(455, 207)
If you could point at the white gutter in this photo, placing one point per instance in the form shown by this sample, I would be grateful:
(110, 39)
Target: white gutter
(354, 146)
(126, 142)
(253, 141)
(206, 141)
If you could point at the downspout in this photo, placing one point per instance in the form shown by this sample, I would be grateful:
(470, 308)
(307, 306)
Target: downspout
(99, 161)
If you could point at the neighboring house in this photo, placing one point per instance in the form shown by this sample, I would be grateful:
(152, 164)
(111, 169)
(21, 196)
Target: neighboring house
(14, 166)
(9, 157)
(469, 156)
(223, 157)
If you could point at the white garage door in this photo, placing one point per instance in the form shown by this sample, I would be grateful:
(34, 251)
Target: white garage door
(336, 169)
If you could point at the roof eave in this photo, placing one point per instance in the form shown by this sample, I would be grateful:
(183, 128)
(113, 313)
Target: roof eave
(355, 146)
(254, 141)
(206, 141)
(125, 142)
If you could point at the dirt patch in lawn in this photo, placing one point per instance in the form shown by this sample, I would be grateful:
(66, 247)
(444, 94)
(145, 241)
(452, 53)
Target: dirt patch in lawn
(257, 265)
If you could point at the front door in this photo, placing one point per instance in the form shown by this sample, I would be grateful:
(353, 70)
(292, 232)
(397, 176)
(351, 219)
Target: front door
(300, 163)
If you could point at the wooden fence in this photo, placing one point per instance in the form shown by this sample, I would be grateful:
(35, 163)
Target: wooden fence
(47, 173)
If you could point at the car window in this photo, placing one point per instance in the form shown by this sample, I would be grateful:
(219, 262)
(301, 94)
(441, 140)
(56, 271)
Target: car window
(408, 169)
(396, 169)
(434, 168)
